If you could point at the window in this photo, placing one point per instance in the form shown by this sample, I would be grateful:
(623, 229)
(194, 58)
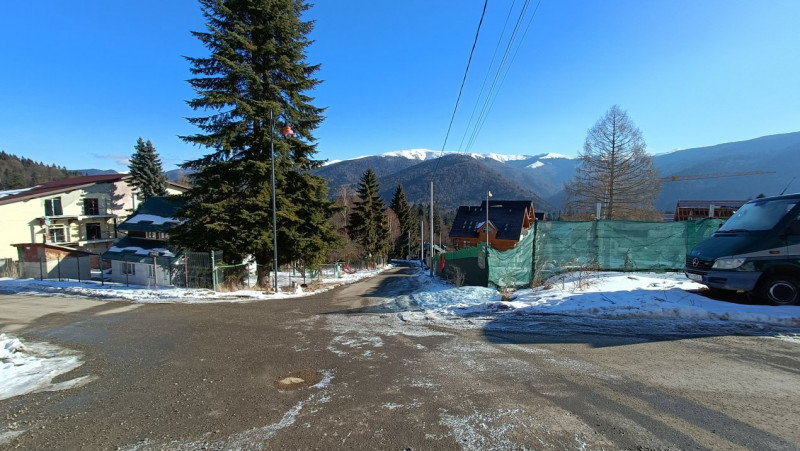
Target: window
(94, 231)
(52, 207)
(91, 207)
(758, 215)
(128, 268)
(150, 270)
(157, 235)
(57, 235)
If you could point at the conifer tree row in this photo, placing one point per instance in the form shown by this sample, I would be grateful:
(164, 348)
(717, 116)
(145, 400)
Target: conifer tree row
(147, 173)
(256, 70)
(367, 223)
(408, 221)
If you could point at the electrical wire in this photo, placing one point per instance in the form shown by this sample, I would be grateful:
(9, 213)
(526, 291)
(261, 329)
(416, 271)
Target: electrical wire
(476, 130)
(461, 90)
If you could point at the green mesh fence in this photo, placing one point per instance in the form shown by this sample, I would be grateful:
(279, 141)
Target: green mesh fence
(512, 267)
(555, 247)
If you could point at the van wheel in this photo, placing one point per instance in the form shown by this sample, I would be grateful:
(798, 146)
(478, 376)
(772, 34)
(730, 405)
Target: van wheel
(780, 290)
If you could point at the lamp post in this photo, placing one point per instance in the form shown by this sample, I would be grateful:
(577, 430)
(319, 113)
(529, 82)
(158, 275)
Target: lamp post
(286, 131)
(486, 227)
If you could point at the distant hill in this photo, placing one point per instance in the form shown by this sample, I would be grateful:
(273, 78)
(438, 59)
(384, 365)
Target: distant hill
(20, 172)
(776, 155)
(463, 179)
(96, 171)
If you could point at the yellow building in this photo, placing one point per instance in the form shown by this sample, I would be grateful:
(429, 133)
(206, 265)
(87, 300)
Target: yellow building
(78, 212)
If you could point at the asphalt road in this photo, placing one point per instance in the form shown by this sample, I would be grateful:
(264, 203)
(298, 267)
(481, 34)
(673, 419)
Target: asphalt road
(343, 370)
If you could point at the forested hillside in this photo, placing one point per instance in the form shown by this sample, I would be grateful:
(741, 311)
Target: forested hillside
(16, 172)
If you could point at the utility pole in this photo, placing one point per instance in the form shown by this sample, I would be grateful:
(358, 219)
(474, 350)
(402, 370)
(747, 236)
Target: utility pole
(486, 226)
(430, 254)
(421, 241)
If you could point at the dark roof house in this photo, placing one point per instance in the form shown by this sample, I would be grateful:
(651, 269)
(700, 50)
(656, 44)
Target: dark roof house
(509, 221)
(148, 231)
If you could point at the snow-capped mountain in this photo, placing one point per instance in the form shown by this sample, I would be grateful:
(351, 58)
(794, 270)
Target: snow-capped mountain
(536, 177)
(464, 178)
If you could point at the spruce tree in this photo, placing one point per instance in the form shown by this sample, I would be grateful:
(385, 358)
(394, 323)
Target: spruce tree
(367, 224)
(147, 174)
(256, 71)
(408, 229)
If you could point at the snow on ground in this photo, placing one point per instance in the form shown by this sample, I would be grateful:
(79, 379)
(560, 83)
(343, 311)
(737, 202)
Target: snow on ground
(605, 295)
(32, 367)
(141, 294)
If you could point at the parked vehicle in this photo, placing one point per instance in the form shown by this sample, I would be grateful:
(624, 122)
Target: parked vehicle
(757, 250)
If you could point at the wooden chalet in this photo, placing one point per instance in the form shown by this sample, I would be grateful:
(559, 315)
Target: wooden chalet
(509, 222)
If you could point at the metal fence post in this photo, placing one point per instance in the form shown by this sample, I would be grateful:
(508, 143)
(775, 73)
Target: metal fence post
(59, 268)
(213, 272)
(78, 262)
(155, 273)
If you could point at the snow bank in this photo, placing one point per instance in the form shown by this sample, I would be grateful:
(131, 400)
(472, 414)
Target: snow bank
(601, 295)
(140, 294)
(30, 368)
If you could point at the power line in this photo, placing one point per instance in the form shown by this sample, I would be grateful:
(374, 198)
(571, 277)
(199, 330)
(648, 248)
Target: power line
(488, 70)
(514, 57)
(502, 71)
(463, 82)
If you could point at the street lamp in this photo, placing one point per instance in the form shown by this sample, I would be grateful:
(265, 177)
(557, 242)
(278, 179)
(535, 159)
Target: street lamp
(486, 227)
(285, 131)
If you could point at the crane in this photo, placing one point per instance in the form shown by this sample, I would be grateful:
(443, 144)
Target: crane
(677, 178)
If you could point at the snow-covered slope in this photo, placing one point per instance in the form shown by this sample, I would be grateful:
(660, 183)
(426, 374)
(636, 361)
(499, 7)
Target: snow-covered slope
(427, 154)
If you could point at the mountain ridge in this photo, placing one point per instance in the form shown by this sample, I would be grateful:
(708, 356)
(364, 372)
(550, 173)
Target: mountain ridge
(541, 176)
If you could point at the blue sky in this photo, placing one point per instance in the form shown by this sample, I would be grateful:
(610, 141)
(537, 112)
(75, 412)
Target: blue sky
(81, 81)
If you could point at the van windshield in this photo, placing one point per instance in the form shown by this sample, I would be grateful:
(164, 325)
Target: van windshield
(758, 215)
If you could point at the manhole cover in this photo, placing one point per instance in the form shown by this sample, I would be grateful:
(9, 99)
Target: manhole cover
(298, 379)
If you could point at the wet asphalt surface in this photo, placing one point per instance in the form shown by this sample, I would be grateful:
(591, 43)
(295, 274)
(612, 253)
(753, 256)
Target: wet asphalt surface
(346, 369)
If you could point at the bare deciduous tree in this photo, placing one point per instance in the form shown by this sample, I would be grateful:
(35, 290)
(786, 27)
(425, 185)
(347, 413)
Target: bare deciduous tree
(615, 171)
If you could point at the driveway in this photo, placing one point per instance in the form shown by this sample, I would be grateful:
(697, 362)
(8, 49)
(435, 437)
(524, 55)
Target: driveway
(342, 370)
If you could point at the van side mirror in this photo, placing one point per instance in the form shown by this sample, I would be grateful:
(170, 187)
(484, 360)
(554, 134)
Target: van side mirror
(793, 228)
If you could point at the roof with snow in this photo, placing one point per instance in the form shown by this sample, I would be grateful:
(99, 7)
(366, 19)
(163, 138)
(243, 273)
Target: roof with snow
(68, 184)
(156, 214)
(60, 186)
(507, 216)
(139, 250)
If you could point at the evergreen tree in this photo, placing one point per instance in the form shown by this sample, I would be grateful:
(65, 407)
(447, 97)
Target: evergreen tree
(256, 71)
(147, 174)
(405, 215)
(367, 224)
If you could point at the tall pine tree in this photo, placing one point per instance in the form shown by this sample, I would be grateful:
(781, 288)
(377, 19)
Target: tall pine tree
(256, 70)
(407, 219)
(147, 174)
(367, 224)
